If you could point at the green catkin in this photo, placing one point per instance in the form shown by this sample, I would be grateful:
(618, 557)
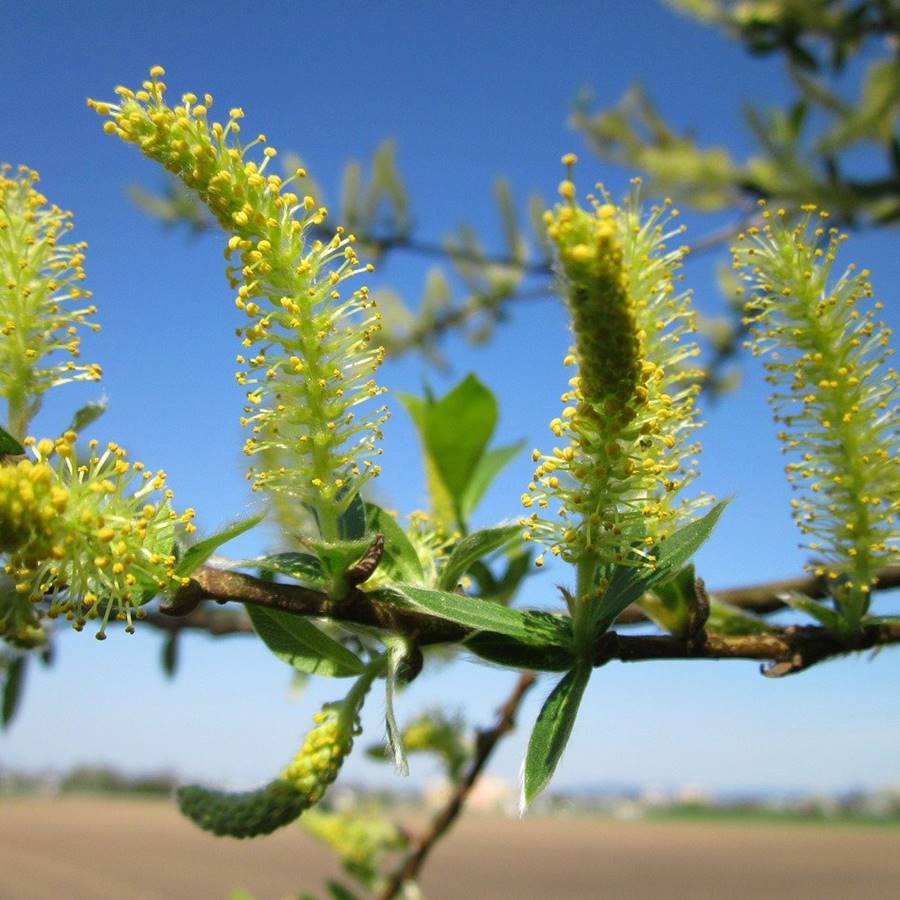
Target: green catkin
(42, 302)
(90, 539)
(835, 397)
(607, 491)
(302, 784)
(308, 356)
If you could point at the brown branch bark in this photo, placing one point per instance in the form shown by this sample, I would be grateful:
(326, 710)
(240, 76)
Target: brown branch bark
(358, 607)
(792, 648)
(769, 597)
(486, 742)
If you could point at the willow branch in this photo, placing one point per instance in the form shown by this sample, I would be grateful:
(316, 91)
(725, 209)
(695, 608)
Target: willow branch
(769, 597)
(794, 647)
(485, 743)
(761, 599)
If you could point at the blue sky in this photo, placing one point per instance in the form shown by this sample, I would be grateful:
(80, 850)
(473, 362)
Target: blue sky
(469, 91)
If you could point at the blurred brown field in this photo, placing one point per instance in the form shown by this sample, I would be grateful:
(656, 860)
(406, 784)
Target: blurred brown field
(95, 848)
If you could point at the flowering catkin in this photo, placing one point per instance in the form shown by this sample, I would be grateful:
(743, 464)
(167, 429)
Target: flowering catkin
(309, 360)
(82, 540)
(41, 298)
(629, 412)
(834, 396)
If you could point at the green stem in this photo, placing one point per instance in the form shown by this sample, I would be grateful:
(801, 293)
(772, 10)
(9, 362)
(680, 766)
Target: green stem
(585, 570)
(352, 703)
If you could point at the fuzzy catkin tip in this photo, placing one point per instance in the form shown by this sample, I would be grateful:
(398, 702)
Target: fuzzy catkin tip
(608, 488)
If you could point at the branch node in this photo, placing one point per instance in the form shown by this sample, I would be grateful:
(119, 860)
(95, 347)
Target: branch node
(184, 601)
(698, 615)
(365, 566)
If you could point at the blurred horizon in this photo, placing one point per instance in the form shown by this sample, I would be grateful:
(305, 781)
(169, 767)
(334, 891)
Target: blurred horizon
(469, 91)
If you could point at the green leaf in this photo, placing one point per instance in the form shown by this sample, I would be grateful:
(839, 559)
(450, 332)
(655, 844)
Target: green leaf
(352, 521)
(336, 891)
(472, 548)
(440, 499)
(530, 627)
(517, 570)
(400, 559)
(669, 603)
(824, 615)
(170, 654)
(300, 644)
(195, 556)
(86, 415)
(454, 432)
(457, 430)
(302, 567)
(489, 466)
(628, 583)
(336, 557)
(727, 619)
(12, 689)
(551, 732)
(9, 446)
(396, 657)
(506, 651)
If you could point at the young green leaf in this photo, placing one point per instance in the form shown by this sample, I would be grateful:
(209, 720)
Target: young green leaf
(472, 548)
(454, 432)
(337, 891)
(195, 556)
(727, 619)
(302, 567)
(170, 655)
(628, 583)
(824, 615)
(87, 415)
(530, 627)
(352, 521)
(457, 430)
(300, 644)
(12, 689)
(9, 446)
(440, 500)
(396, 656)
(490, 465)
(507, 651)
(551, 732)
(399, 559)
(669, 603)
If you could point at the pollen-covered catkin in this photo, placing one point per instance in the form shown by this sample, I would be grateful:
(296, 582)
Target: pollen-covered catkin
(608, 489)
(87, 540)
(42, 301)
(308, 353)
(834, 395)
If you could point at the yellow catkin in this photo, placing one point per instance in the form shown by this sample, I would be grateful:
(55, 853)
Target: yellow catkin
(608, 489)
(834, 395)
(308, 353)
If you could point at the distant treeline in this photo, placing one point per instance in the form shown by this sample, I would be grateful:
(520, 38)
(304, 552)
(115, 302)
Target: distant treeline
(90, 779)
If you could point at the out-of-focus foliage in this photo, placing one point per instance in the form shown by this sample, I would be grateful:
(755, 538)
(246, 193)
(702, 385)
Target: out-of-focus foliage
(833, 142)
(806, 149)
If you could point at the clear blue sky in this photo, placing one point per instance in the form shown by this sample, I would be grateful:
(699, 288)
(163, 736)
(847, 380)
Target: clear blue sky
(469, 91)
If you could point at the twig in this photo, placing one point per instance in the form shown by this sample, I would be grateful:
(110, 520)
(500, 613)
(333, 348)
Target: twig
(485, 743)
(789, 650)
(799, 647)
(769, 596)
